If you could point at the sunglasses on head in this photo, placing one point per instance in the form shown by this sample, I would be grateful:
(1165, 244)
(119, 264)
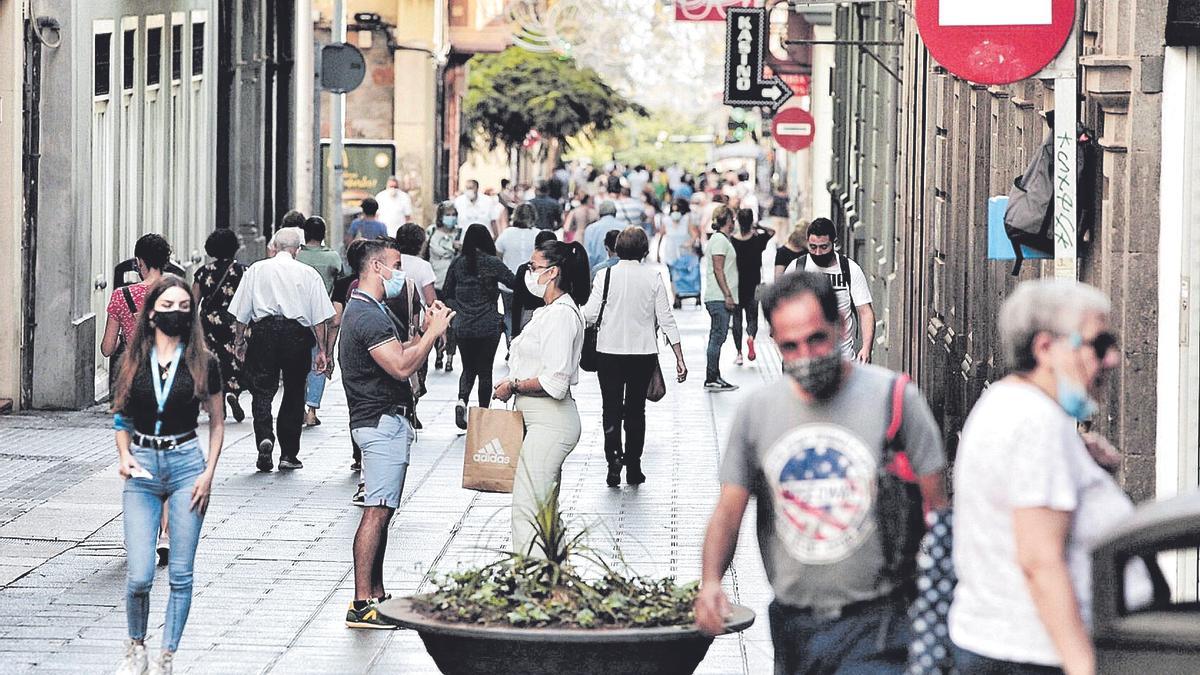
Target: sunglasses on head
(1101, 344)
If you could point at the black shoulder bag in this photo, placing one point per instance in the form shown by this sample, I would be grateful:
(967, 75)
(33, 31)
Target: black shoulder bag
(588, 358)
(898, 503)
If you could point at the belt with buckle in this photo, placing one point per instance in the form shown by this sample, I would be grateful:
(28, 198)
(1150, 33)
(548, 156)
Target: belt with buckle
(400, 411)
(835, 613)
(162, 442)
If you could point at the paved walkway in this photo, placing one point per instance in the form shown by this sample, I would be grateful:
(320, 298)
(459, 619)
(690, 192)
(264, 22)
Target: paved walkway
(274, 570)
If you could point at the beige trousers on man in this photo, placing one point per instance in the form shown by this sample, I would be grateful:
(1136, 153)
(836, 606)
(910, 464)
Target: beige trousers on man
(551, 432)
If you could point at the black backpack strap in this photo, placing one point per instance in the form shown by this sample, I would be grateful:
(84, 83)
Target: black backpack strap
(845, 264)
(129, 300)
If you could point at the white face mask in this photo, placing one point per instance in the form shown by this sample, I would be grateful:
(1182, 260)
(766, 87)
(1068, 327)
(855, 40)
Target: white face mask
(538, 290)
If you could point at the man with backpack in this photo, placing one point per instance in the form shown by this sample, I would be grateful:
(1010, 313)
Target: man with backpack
(841, 457)
(849, 283)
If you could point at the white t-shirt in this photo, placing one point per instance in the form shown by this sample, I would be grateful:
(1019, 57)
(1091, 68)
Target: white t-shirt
(856, 286)
(419, 271)
(515, 246)
(1019, 449)
(394, 209)
(482, 211)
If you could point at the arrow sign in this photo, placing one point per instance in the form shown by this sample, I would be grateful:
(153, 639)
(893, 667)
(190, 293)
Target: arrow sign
(745, 40)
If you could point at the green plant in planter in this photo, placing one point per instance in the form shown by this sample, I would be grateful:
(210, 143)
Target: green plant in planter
(551, 591)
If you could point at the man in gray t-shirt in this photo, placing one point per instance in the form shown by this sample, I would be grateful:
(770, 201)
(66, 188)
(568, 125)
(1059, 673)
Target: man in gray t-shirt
(808, 449)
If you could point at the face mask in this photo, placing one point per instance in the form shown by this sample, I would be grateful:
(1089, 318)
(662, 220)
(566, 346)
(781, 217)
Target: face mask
(449, 221)
(538, 290)
(676, 216)
(824, 260)
(1074, 399)
(819, 376)
(394, 286)
(472, 195)
(173, 324)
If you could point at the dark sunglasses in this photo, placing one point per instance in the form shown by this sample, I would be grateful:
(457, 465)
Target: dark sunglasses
(1101, 344)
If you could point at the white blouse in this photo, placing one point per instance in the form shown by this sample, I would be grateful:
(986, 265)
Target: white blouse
(549, 347)
(637, 308)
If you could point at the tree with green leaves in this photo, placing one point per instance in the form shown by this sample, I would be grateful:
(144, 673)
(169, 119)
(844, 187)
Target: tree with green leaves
(517, 91)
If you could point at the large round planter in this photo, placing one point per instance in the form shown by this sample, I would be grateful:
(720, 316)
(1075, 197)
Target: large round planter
(467, 649)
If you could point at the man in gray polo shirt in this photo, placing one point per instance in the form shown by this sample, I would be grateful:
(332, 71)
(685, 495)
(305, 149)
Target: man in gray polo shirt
(808, 448)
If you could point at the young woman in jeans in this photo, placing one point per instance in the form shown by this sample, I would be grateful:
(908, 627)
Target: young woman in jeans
(166, 374)
(544, 365)
(471, 289)
(627, 346)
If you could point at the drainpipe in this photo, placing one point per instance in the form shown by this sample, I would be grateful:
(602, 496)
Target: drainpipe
(305, 74)
(32, 105)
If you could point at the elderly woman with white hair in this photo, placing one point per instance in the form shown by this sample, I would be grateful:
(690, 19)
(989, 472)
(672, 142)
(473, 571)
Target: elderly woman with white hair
(1031, 493)
(284, 304)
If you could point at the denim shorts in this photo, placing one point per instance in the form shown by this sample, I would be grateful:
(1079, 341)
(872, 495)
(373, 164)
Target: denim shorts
(384, 459)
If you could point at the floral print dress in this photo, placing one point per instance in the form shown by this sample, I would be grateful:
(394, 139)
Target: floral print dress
(218, 281)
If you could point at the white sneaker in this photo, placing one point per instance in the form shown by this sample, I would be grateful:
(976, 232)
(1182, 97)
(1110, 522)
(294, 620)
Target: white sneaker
(165, 664)
(135, 659)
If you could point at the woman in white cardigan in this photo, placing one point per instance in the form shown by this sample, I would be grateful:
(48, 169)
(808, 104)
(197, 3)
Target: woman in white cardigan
(631, 305)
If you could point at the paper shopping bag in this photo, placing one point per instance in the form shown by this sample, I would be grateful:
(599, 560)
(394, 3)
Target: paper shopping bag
(494, 437)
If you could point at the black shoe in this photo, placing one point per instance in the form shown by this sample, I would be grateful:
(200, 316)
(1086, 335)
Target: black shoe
(416, 422)
(265, 447)
(359, 498)
(356, 466)
(437, 363)
(460, 415)
(719, 385)
(450, 364)
(164, 550)
(290, 463)
(614, 475)
(367, 617)
(235, 407)
(634, 475)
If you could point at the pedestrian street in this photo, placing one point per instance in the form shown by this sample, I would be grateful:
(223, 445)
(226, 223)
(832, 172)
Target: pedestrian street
(274, 571)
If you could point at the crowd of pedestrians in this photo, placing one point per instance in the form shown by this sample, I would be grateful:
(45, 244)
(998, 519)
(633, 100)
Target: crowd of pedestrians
(823, 450)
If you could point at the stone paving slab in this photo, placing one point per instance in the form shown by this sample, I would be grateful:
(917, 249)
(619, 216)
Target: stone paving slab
(274, 570)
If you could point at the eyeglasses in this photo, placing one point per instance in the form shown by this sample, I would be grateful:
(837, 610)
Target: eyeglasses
(539, 269)
(1101, 344)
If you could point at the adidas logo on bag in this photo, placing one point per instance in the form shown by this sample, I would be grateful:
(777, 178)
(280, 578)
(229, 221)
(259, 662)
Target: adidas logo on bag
(491, 453)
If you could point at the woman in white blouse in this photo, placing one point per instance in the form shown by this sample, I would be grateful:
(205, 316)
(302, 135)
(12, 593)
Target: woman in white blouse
(544, 363)
(631, 309)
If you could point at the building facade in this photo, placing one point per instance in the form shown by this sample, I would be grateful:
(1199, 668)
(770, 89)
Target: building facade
(917, 154)
(128, 117)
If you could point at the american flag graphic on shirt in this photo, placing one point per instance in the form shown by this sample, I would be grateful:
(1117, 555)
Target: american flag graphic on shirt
(822, 482)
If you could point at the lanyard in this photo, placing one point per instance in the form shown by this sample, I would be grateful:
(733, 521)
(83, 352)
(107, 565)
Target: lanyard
(163, 389)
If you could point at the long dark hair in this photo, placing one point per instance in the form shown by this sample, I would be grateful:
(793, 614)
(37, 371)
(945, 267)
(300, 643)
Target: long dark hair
(477, 240)
(574, 277)
(195, 354)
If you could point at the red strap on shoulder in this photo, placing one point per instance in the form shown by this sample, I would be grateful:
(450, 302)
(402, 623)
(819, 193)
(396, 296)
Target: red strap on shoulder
(898, 386)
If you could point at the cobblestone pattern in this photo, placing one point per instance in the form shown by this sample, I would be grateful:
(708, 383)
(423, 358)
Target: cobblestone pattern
(274, 570)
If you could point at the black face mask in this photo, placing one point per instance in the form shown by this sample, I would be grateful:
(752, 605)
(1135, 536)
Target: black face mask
(824, 260)
(173, 324)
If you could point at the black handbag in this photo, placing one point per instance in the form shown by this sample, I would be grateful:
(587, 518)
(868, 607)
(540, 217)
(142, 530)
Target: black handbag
(588, 358)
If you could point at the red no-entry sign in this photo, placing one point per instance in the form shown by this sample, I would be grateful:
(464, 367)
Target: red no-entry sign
(995, 41)
(793, 129)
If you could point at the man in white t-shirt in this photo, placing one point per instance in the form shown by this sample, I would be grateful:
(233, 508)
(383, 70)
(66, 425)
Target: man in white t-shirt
(853, 293)
(395, 206)
(475, 208)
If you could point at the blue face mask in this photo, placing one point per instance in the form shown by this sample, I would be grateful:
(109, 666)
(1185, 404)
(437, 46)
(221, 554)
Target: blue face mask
(449, 221)
(1072, 396)
(394, 286)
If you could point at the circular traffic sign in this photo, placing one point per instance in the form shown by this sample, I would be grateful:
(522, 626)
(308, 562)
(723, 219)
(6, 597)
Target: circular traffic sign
(995, 42)
(342, 67)
(793, 128)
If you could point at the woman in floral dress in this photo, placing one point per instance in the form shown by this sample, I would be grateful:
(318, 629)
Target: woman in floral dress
(215, 285)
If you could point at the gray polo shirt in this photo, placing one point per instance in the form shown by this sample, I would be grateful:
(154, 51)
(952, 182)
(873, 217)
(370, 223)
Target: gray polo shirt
(812, 468)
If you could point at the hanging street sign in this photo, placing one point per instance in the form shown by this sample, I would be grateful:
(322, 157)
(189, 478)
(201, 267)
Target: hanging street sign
(793, 128)
(995, 42)
(745, 40)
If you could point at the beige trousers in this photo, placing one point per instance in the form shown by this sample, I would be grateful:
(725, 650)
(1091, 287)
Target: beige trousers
(551, 433)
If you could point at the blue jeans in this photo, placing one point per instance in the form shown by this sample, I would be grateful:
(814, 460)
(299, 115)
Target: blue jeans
(870, 639)
(315, 390)
(970, 663)
(718, 332)
(174, 474)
